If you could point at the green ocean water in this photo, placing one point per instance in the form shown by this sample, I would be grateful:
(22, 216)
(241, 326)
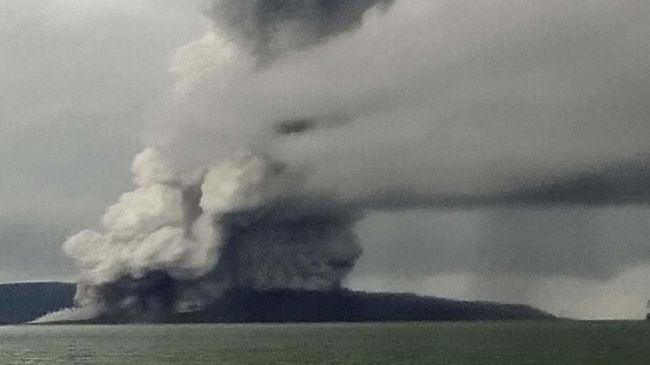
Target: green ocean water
(561, 342)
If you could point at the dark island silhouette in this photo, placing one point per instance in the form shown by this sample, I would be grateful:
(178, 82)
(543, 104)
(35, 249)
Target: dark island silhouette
(22, 303)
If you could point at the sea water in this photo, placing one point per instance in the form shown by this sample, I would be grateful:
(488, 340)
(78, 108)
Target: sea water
(553, 342)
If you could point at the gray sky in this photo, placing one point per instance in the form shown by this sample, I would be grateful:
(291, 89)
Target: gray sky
(546, 102)
(77, 78)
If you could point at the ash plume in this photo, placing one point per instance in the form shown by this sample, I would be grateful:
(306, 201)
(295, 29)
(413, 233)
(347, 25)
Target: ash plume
(182, 238)
(428, 104)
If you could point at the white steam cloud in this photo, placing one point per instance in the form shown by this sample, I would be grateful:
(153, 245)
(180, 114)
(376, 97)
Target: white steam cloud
(180, 239)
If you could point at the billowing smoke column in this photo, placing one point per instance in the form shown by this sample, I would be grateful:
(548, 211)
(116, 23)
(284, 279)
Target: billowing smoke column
(187, 234)
(272, 27)
(180, 239)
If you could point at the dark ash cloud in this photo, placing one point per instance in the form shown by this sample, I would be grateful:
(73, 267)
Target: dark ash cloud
(272, 27)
